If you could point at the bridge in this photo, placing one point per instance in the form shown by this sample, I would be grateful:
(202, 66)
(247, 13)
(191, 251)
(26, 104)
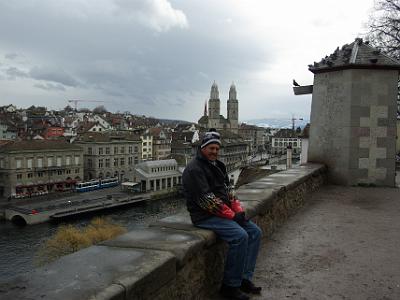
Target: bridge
(57, 209)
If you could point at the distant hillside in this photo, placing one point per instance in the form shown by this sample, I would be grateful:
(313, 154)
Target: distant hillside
(169, 122)
(277, 123)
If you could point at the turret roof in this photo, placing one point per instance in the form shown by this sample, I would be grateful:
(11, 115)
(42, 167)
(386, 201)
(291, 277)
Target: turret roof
(357, 55)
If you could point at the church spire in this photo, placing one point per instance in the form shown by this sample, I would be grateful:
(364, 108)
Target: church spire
(205, 108)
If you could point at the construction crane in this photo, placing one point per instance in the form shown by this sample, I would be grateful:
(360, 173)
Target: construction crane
(293, 120)
(76, 102)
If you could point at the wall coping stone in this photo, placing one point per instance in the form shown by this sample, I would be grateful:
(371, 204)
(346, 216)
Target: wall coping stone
(97, 272)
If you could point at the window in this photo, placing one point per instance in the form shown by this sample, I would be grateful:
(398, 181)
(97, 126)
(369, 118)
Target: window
(122, 161)
(68, 160)
(144, 143)
(89, 150)
(1, 163)
(130, 149)
(49, 161)
(76, 171)
(18, 163)
(29, 163)
(40, 174)
(100, 151)
(107, 150)
(59, 161)
(100, 163)
(30, 175)
(115, 162)
(19, 176)
(76, 160)
(115, 150)
(59, 172)
(136, 149)
(122, 149)
(68, 171)
(107, 162)
(130, 160)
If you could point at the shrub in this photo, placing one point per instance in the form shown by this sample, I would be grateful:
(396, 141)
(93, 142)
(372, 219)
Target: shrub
(69, 239)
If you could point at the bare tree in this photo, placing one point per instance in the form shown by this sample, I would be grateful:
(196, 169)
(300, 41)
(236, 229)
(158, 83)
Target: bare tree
(384, 27)
(101, 109)
(384, 31)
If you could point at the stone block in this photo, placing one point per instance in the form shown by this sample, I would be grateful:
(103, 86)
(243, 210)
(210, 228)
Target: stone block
(183, 222)
(387, 163)
(363, 152)
(379, 111)
(365, 142)
(363, 163)
(383, 122)
(365, 122)
(183, 244)
(96, 272)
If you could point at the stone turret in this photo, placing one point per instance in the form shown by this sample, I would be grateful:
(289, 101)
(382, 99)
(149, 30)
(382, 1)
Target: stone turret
(353, 115)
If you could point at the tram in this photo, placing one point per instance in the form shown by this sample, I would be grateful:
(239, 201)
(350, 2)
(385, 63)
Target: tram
(96, 184)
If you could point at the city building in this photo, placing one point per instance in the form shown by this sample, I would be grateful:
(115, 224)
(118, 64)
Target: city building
(7, 131)
(284, 138)
(147, 146)
(110, 154)
(157, 175)
(33, 167)
(214, 119)
(161, 147)
(255, 137)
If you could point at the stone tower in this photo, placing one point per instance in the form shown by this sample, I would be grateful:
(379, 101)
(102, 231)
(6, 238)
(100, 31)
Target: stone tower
(233, 109)
(214, 107)
(353, 115)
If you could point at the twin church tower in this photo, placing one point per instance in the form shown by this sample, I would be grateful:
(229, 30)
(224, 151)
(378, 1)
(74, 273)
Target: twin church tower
(214, 119)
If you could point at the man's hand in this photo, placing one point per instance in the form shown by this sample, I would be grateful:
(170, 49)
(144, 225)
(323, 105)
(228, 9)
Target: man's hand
(240, 218)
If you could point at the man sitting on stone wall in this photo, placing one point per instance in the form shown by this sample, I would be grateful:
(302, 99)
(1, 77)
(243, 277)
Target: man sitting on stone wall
(212, 205)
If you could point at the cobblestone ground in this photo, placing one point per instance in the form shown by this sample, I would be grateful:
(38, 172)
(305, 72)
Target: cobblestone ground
(343, 244)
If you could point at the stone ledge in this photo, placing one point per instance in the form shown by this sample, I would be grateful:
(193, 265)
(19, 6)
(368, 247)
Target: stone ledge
(183, 244)
(171, 259)
(97, 272)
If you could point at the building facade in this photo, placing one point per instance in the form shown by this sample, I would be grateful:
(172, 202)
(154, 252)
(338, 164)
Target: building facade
(35, 167)
(284, 138)
(255, 136)
(157, 175)
(111, 154)
(147, 147)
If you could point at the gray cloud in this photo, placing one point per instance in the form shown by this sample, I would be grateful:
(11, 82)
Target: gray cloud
(54, 75)
(13, 73)
(50, 86)
(11, 56)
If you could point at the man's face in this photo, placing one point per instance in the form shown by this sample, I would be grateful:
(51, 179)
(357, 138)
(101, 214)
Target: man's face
(210, 151)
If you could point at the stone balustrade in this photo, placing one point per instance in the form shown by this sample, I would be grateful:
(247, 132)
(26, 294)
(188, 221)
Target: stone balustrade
(171, 259)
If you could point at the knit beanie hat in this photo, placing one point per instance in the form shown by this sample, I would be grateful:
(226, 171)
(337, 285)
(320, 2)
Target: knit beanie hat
(210, 137)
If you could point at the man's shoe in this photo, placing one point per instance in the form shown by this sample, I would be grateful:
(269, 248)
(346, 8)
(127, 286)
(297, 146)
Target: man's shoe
(231, 292)
(249, 287)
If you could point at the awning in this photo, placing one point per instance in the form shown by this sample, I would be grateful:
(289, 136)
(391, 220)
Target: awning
(129, 184)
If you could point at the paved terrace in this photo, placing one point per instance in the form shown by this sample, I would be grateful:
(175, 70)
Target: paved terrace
(342, 243)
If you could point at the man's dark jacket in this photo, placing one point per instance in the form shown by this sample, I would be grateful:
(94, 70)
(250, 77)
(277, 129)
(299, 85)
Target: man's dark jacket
(205, 184)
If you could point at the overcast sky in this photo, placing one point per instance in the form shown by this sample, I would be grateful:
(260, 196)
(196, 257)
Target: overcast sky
(160, 57)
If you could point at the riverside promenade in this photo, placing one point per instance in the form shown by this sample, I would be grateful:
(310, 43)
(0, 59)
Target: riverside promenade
(343, 243)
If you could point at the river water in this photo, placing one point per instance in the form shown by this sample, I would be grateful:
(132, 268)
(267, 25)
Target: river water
(19, 245)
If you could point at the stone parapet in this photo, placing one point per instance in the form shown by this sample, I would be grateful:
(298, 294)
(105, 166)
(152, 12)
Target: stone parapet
(171, 259)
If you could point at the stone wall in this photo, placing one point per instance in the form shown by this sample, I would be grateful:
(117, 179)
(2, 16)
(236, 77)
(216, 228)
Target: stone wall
(171, 259)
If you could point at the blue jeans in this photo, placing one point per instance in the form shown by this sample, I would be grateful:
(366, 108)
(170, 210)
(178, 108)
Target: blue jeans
(243, 241)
